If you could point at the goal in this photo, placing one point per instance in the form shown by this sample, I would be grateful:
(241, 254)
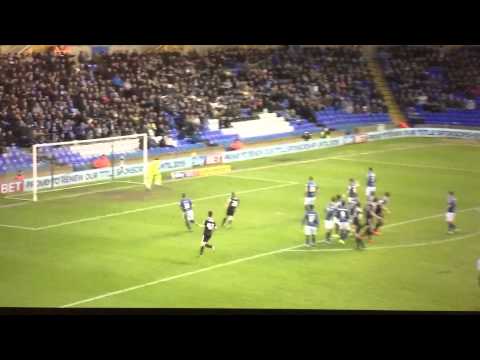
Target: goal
(81, 163)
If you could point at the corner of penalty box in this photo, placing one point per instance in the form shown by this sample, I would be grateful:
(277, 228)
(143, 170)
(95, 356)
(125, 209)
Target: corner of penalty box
(204, 171)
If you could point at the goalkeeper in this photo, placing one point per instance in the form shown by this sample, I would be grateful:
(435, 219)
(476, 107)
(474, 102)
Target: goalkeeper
(154, 177)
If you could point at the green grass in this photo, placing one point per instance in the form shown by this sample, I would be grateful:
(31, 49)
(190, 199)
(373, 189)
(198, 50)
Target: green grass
(102, 248)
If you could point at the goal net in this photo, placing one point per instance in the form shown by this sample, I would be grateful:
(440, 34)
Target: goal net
(82, 163)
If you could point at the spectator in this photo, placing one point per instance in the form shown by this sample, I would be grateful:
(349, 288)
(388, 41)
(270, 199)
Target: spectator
(236, 145)
(101, 162)
(124, 92)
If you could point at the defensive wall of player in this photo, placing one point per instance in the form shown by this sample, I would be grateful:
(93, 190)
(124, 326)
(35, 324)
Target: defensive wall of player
(172, 166)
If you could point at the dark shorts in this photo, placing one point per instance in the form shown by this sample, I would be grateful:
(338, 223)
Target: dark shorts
(207, 236)
(231, 211)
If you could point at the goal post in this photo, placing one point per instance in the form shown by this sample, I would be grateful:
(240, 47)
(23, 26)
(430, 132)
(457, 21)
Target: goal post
(66, 163)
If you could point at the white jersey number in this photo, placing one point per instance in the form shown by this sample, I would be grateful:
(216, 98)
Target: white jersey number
(210, 226)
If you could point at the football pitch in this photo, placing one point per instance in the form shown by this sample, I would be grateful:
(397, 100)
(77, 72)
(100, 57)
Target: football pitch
(118, 245)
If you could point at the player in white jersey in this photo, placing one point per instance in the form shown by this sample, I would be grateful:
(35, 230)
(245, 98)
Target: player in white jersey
(310, 193)
(352, 192)
(310, 222)
(337, 203)
(371, 182)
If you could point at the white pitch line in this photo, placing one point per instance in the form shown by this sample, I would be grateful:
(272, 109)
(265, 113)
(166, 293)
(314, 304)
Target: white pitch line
(155, 282)
(17, 198)
(230, 263)
(407, 165)
(13, 205)
(17, 227)
(126, 212)
(296, 162)
(130, 182)
(259, 179)
(428, 243)
(69, 196)
(74, 187)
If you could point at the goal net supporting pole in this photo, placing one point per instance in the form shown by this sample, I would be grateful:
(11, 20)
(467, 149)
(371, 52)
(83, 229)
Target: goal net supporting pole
(34, 168)
(145, 159)
(36, 147)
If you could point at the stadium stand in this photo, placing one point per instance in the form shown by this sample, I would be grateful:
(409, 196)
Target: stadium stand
(435, 85)
(55, 96)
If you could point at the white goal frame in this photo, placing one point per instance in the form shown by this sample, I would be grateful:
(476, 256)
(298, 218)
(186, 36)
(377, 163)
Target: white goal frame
(81, 142)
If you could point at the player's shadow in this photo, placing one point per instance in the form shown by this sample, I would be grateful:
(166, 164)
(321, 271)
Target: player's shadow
(175, 261)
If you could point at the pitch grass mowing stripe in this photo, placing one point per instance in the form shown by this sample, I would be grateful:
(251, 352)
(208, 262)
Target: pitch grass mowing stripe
(289, 163)
(126, 212)
(233, 262)
(428, 243)
(408, 165)
(228, 263)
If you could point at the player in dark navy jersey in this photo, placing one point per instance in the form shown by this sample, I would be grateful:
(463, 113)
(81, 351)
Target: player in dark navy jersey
(451, 211)
(310, 193)
(310, 223)
(187, 209)
(356, 214)
(232, 204)
(329, 222)
(381, 206)
(343, 221)
(209, 227)
(370, 217)
(359, 244)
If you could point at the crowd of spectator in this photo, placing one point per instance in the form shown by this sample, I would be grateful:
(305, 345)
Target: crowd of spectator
(434, 78)
(45, 97)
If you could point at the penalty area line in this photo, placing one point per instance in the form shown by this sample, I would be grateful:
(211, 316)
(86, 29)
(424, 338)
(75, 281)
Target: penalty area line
(190, 273)
(427, 243)
(155, 282)
(260, 179)
(132, 211)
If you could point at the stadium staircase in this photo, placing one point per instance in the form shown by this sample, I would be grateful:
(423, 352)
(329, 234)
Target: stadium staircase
(394, 111)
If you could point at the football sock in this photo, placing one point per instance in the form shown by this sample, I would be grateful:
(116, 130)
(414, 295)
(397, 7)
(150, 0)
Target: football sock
(329, 236)
(201, 249)
(313, 239)
(223, 222)
(208, 246)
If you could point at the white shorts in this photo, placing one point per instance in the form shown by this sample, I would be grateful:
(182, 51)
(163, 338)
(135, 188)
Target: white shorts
(370, 189)
(328, 225)
(309, 201)
(344, 225)
(352, 199)
(450, 217)
(189, 215)
(310, 230)
(335, 220)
